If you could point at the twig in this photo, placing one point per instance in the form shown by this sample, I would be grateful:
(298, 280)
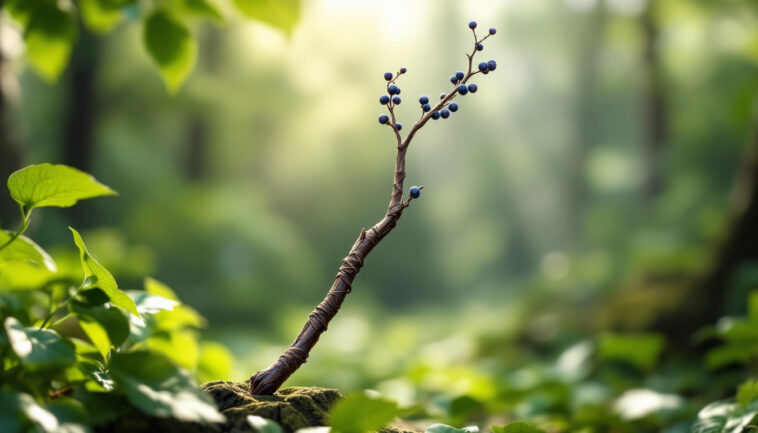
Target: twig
(267, 381)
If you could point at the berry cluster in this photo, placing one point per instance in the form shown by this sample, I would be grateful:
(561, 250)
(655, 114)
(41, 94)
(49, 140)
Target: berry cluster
(445, 106)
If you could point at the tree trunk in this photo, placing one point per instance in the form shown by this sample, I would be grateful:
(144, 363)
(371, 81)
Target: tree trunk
(654, 106)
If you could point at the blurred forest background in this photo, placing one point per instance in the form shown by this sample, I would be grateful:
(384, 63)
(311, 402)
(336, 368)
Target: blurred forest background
(590, 209)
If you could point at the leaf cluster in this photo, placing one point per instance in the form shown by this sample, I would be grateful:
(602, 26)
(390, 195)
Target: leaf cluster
(76, 350)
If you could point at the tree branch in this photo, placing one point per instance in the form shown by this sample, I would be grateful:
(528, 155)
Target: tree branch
(267, 381)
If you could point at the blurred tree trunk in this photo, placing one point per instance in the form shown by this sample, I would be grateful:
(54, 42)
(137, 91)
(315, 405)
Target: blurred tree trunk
(80, 118)
(11, 149)
(705, 300)
(198, 140)
(587, 68)
(654, 105)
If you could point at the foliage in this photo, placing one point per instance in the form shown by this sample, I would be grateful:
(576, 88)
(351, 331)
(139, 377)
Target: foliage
(51, 28)
(72, 352)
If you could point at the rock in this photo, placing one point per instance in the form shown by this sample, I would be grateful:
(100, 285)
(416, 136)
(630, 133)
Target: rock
(292, 408)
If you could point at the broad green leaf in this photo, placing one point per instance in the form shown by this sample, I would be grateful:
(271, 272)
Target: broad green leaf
(215, 363)
(100, 16)
(282, 14)
(723, 417)
(21, 10)
(49, 37)
(640, 350)
(148, 303)
(20, 413)
(53, 185)
(23, 249)
(180, 346)
(444, 428)
(747, 393)
(157, 288)
(38, 348)
(105, 326)
(170, 44)
(71, 414)
(96, 276)
(736, 353)
(157, 387)
(517, 427)
(23, 276)
(752, 304)
(362, 412)
(203, 8)
(639, 403)
(263, 425)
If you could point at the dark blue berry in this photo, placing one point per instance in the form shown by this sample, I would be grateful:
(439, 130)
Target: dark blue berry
(396, 100)
(493, 30)
(393, 89)
(399, 126)
(462, 89)
(415, 192)
(388, 76)
(453, 79)
(483, 67)
(459, 75)
(403, 70)
(426, 107)
(473, 88)
(384, 99)
(423, 100)
(453, 107)
(436, 115)
(444, 113)
(384, 119)
(479, 47)
(491, 65)
(472, 25)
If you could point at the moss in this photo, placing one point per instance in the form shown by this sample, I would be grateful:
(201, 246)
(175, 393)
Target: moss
(293, 408)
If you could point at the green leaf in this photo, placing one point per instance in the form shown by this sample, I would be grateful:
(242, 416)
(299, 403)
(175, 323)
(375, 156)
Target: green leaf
(263, 425)
(362, 412)
(215, 362)
(517, 427)
(23, 249)
(18, 412)
(723, 417)
(100, 16)
(157, 387)
(71, 414)
(747, 393)
(282, 14)
(105, 326)
(100, 278)
(203, 8)
(157, 288)
(38, 348)
(49, 37)
(53, 185)
(444, 428)
(752, 304)
(170, 44)
(640, 350)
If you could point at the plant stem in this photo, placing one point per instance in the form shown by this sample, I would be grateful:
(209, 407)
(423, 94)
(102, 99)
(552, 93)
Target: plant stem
(24, 224)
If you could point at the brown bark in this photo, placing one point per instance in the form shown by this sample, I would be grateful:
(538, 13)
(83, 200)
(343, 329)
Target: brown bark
(267, 381)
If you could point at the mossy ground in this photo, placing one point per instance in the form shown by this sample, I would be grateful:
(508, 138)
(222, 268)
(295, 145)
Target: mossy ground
(292, 408)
